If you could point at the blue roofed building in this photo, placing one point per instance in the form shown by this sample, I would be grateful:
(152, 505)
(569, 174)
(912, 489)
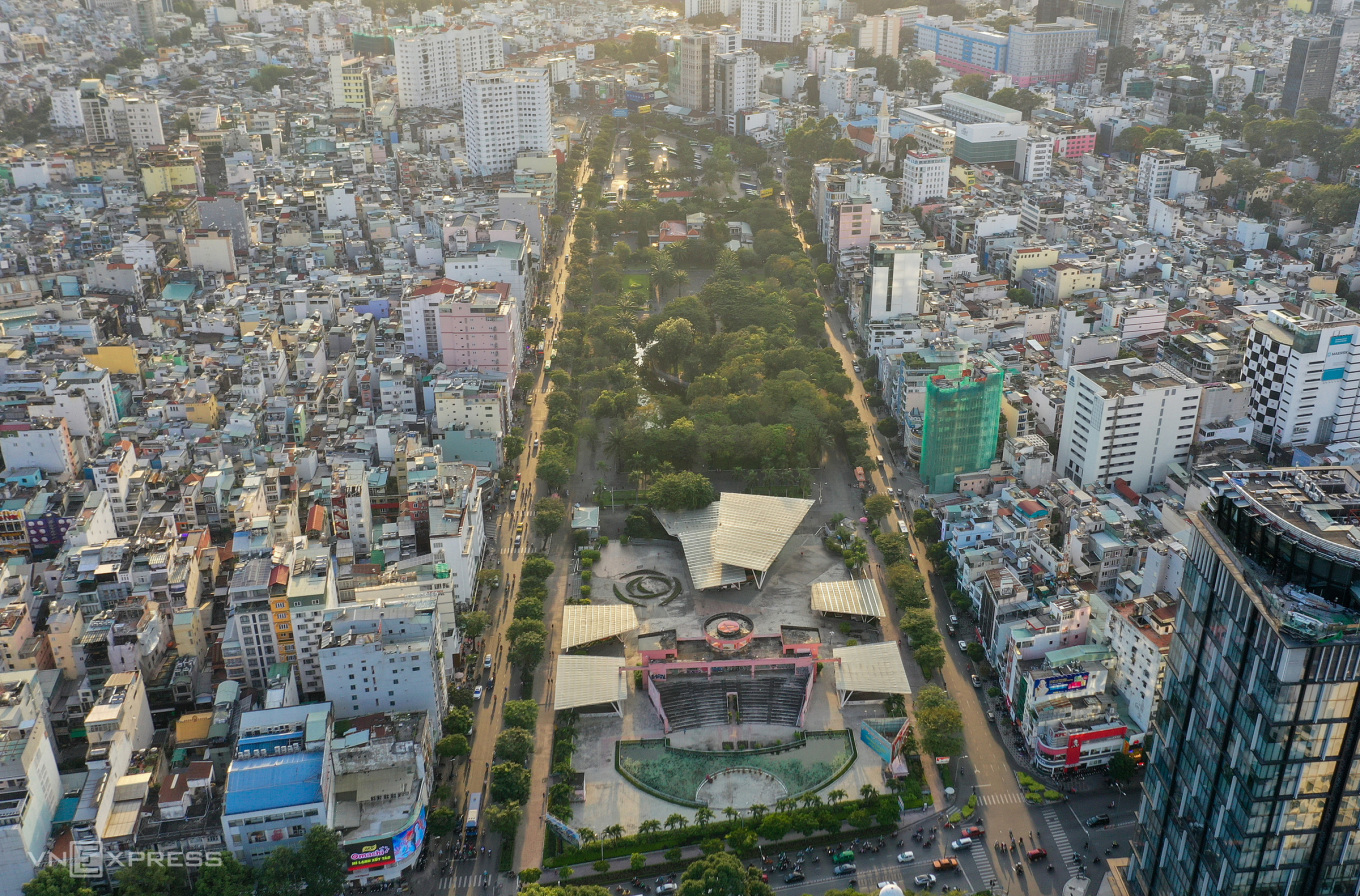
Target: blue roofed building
(280, 783)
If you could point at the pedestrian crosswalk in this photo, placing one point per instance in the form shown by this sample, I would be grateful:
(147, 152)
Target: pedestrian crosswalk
(983, 859)
(1001, 799)
(1055, 830)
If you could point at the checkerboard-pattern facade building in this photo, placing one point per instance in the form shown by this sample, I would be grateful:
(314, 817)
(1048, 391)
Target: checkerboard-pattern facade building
(1304, 375)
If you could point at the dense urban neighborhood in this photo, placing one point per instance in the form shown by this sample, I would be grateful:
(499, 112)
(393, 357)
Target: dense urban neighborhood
(706, 448)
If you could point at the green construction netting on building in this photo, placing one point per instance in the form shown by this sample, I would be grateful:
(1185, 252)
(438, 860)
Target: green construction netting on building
(962, 419)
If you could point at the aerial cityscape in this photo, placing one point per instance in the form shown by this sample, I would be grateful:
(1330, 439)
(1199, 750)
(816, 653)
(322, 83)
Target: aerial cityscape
(684, 448)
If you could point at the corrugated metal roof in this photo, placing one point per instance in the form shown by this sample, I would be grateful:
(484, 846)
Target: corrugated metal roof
(122, 821)
(733, 534)
(589, 681)
(586, 623)
(872, 668)
(272, 782)
(856, 597)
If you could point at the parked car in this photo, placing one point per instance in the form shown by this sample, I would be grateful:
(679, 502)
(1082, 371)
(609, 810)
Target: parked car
(1098, 821)
(961, 844)
(977, 682)
(925, 880)
(907, 856)
(847, 868)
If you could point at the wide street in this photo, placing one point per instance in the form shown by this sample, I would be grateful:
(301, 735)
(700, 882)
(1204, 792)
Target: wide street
(467, 877)
(985, 768)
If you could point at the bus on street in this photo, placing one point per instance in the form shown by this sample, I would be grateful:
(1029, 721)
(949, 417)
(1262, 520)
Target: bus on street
(471, 822)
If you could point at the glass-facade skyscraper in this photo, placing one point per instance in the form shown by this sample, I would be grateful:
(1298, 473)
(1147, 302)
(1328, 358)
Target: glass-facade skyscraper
(1253, 783)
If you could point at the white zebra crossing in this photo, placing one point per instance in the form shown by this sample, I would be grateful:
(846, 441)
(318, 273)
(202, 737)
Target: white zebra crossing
(983, 859)
(1055, 830)
(1000, 799)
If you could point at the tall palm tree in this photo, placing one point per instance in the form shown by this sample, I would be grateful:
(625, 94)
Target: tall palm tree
(649, 826)
(835, 796)
(588, 835)
(616, 443)
(703, 815)
(811, 800)
(676, 821)
(868, 792)
(663, 273)
(758, 811)
(732, 813)
(614, 832)
(681, 278)
(784, 803)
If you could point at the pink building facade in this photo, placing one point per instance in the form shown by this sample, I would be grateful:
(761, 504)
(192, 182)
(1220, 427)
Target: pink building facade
(479, 329)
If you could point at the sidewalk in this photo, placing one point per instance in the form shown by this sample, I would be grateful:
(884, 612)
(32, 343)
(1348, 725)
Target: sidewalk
(906, 824)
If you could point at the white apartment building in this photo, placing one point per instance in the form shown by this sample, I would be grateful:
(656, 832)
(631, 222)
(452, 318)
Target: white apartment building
(470, 404)
(1033, 158)
(925, 175)
(773, 21)
(250, 643)
(1140, 636)
(881, 35)
(112, 474)
(1303, 371)
(383, 659)
(736, 82)
(894, 282)
(1154, 172)
(351, 512)
(137, 121)
(432, 64)
(130, 120)
(505, 113)
(312, 593)
(66, 110)
(45, 444)
(32, 785)
(121, 710)
(1126, 420)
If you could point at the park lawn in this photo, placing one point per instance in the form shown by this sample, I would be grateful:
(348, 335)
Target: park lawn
(637, 281)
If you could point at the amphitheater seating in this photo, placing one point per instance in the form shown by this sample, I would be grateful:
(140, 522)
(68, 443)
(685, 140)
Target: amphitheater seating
(694, 701)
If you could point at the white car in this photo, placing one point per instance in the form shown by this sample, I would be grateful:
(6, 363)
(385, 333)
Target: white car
(477, 693)
(906, 856)
(963, 645)
(962, 843)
